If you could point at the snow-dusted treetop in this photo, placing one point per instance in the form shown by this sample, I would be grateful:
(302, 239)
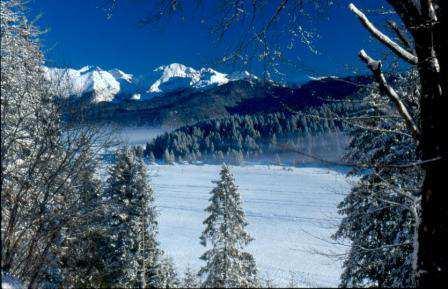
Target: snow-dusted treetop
(176, 76)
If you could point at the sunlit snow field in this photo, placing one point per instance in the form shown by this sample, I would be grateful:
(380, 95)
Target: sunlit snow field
(291, 214)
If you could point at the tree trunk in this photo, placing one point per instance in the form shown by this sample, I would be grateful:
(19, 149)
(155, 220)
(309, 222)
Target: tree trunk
(432, 241)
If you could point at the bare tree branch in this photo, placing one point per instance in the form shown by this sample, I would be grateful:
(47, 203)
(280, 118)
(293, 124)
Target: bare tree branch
(375, 67)
(395, 47)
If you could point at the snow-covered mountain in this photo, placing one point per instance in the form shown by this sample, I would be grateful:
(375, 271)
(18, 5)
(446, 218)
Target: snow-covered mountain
(115, 85)
(177, 76)
(101, 84)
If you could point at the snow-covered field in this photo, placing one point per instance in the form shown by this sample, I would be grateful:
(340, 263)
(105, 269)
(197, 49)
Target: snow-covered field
(291, 214)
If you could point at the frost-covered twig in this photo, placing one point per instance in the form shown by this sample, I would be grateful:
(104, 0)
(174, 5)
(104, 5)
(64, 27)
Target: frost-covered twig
(395, 47)
(375, 67)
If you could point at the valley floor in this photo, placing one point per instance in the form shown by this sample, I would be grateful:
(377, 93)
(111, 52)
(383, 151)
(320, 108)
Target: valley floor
(291, 213)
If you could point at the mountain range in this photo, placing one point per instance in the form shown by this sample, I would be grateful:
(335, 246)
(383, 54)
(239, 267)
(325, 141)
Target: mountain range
(183, 95)
(115, 85)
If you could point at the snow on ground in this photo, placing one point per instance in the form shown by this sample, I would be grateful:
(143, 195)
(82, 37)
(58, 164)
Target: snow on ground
(10, 282)
(291, 214)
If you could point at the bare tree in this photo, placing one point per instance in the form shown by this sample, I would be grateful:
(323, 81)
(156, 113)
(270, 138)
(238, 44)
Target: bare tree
(42, 160)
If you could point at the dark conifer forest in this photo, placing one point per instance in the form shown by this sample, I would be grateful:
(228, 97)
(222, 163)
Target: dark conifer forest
(255, 137)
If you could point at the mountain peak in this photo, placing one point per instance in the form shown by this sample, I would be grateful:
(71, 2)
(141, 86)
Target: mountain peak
(119, 74)
(116, 85)
(104, 85)
(178, 76)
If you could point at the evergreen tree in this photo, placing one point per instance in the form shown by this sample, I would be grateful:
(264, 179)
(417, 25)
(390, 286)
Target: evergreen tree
(168, 157)
(277, 160)
(167, 275)
(268, 282)
(130, 222)
(190, 279)
(381, 209)
(151, 158)
(227, 265)
(293, 282)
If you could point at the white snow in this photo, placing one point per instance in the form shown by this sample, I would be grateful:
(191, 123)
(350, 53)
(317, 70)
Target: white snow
(241, 75)
(291, 214)
(10, 282)
(318, 78)
(136, 96)
(119, 74)
(176, 76)
(105, 85)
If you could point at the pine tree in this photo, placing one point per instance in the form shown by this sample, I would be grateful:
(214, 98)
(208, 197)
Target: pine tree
(168, 157)
(268, 282)
(292, 282)
(277, 160)
(130, 221)
(167, 275)
(380, 211)
(82, 259)
(227, 265)
(151, 158)
(190, 279)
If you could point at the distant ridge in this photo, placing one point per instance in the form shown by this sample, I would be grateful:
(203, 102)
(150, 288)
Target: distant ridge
(190, 105)
(116, 85)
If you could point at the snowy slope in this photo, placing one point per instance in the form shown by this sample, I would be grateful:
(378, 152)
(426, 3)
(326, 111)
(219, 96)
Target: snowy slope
(291, 214)
(104, 85)
(177, 76)
(116, 85)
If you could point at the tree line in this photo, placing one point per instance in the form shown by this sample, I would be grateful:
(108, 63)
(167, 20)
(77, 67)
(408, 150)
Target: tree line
(246, 137)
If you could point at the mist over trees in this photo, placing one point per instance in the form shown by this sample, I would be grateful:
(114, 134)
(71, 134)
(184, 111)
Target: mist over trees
(250, 137)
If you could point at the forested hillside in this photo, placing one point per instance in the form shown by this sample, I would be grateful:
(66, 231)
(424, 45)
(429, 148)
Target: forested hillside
(251, 137)
(188, 106)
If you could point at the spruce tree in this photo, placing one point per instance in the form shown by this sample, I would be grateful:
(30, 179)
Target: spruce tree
(130, 222)
(190, 279)
(380, 212)
(168, 157)
(227, 265)
(166, 276)
(82, 260)
(151, 158)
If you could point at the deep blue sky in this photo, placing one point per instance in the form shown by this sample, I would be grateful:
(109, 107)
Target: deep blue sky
(80, 34)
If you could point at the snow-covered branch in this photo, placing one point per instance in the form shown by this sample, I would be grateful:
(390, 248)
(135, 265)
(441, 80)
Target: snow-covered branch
(375, 67)
(395, 47)
(401, 34)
